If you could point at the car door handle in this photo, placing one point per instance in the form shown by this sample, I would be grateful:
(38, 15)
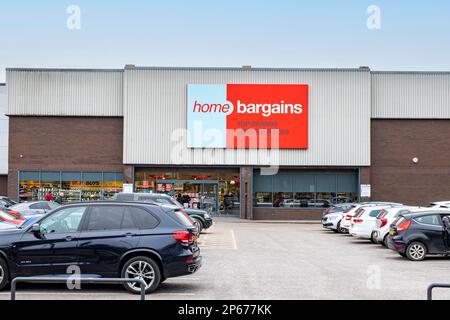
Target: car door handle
(69, 238)
(130, 234)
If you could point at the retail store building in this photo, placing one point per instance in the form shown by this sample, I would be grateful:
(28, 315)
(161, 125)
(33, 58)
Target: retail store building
(321, 135)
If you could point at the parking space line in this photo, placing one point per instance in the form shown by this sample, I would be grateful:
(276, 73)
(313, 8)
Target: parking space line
(233, 238)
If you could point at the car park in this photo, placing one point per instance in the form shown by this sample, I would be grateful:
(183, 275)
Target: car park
(34, 207)
(110, 239)
(333, 216)
(202, 219)
(418, 234)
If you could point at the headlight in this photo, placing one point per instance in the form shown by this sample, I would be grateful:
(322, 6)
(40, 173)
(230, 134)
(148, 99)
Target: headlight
(207, 216)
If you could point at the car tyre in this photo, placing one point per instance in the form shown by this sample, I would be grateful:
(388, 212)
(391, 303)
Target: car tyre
(4, 273)
(144, 268)
(373, 239)
(385, 241)
(198, 224)
(416, 251)
(341, 230)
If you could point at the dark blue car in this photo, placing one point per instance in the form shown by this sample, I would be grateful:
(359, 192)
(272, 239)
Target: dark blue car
(104, 239)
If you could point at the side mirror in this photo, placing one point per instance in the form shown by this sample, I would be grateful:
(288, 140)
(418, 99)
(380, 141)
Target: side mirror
(36, 228)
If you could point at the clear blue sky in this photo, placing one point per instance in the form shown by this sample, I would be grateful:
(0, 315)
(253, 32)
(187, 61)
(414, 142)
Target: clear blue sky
(414, 35)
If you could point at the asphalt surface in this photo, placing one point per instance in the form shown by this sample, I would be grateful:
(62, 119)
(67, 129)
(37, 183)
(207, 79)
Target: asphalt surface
(245, 260)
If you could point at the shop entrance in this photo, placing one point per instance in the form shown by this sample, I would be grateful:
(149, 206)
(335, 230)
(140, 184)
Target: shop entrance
(216, 190)
(192, 193)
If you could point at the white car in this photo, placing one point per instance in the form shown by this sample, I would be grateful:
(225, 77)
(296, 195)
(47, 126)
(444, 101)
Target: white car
(384, 221)
(350, 212)
(364, 221)
(332, 217)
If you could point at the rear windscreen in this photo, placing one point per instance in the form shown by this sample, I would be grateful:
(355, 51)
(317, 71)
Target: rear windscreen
(359, 212)
(374, 213)
(181, 217)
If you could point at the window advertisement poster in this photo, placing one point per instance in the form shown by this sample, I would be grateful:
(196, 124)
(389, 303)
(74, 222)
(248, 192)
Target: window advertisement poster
(248, 116)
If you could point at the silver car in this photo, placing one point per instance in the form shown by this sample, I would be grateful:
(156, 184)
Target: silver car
(33, 208)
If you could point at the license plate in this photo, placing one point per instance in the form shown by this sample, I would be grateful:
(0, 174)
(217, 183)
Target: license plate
(391, 232)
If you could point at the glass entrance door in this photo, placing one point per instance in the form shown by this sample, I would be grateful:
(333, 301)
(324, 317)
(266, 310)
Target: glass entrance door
(209, 197)
(192, 194)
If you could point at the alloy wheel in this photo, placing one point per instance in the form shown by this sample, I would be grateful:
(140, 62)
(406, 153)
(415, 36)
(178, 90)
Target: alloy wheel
(417, 251)
(140, 270)
(2, 274)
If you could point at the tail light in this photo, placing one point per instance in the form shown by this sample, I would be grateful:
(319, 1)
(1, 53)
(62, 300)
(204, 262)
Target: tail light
(403, 226)
(357, 220)
(383, 222)
(184, 237)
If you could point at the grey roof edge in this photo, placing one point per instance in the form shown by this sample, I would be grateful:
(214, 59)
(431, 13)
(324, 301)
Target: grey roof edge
(364, 69)
(244, 69)
(412, 72)
(62, 69)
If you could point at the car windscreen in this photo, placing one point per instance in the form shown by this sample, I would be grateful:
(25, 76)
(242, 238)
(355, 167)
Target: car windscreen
(399, 221)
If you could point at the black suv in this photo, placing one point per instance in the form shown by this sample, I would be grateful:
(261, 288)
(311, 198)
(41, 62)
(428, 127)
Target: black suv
(418, 234)
(104, 239)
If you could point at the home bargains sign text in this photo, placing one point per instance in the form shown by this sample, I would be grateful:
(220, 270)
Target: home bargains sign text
(247, 116)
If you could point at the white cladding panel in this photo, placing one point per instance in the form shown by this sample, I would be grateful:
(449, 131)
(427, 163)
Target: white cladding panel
(155, 109)
(64, 92)
(410, 95)
(3, 132)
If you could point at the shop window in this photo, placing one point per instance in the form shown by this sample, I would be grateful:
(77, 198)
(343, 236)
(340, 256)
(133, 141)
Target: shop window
(294, 189)
(112, 184)
(50, 182)
(29, 185)
(71, 187)
(91, 187)
(262, 199)
(283, 200)
(304, 199)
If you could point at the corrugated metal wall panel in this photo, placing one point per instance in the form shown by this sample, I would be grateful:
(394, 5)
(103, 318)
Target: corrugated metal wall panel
(410, 95)
(4, 129)
(155, 107)
(65, 92)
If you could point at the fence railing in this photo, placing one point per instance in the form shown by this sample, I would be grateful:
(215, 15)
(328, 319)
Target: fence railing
(57, 279)
(435, 285)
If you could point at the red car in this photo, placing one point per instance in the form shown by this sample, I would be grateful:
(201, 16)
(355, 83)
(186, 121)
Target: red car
(6, 216)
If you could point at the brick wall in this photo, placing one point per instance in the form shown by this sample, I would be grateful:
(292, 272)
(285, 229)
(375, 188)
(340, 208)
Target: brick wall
(393, 174)
(63, 143)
